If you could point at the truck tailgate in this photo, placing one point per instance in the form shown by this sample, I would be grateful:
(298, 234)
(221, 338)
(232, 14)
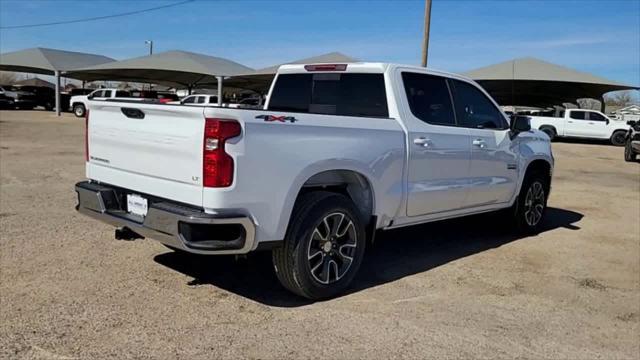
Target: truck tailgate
(149, 148)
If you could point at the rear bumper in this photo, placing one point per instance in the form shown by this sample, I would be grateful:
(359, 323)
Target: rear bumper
(172, 224)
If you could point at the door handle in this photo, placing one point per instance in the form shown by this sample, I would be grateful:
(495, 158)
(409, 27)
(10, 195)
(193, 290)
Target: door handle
(422, 141)
(479, 143)
(570, 122)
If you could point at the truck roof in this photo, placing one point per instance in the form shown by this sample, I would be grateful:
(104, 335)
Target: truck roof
(366, 67)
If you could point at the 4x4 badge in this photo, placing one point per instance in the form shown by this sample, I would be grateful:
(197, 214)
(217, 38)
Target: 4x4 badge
(271, 118)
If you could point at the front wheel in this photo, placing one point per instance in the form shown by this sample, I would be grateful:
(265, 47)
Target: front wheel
(629, 154)
(531, 204)
(619, 138)
(79, 110)
(323, 248)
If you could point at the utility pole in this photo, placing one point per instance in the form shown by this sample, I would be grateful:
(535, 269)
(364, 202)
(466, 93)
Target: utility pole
(427, 25)
(150, 43)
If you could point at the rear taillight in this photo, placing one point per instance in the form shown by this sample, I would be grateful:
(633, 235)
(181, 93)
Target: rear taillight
(217, 165)
(86, 135)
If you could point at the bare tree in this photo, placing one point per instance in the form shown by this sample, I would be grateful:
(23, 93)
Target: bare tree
(8, 77)
(619, 98)
(590, 104)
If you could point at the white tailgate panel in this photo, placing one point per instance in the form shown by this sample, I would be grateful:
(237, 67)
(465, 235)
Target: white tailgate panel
(160, 155)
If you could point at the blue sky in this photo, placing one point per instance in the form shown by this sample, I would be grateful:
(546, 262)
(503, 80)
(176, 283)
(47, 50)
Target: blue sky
(600, 37)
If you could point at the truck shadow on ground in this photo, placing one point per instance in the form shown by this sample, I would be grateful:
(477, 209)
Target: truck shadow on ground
(394, 255)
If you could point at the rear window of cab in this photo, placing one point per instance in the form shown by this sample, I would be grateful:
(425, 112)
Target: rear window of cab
(346, 94)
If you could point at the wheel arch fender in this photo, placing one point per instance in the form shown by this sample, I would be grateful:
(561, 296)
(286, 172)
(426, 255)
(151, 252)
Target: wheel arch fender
(316, 170)
(530, 162)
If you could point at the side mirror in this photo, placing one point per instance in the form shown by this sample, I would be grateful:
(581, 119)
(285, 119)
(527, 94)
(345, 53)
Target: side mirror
(90, 97)
(631, 122)
(520, 123)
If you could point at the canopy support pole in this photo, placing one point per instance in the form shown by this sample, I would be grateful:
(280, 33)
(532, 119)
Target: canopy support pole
(603, 106)
(57, 74)
(219, 90)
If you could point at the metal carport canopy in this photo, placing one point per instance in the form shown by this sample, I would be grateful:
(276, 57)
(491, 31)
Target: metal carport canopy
(49, 62)
(167, 68)
(533, 82)
(260, 80)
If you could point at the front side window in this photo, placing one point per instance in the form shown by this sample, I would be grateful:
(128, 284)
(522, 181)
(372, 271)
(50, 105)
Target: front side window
(474, 109)
(578, 115)
(596, 117)
(98, 94)
(331, 93)
(429, 98)
(189, 100)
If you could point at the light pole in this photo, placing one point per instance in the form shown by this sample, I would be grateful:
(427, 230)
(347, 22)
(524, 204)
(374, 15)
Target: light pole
(427, 25)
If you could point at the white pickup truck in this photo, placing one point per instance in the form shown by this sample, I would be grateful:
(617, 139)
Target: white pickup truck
(338, 152)
(78, 103)
(582, 123)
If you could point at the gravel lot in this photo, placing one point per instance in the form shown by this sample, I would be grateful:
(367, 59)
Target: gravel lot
(463, 288)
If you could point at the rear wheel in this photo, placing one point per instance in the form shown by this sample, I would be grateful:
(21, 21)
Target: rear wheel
(531, 205)
(79, 110)
(619, 137)
(550, 132)
(323, 248)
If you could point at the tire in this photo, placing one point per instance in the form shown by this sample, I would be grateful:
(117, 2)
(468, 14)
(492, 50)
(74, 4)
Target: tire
(629, 154)
(619, 138)
(323, 248)
(551, 133)
(79, 110)
(531, 205)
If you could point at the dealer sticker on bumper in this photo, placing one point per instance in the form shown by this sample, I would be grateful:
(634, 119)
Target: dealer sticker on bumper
(136, 204)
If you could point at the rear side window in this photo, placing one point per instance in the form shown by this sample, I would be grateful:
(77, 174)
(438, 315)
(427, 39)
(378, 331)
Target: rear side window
(201, 99)
(578, 115)
(213, 100)
(122, 94)
(474, 109)
(429, 98)
(331, 94)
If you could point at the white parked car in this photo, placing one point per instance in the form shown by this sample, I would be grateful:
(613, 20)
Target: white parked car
(78, 103)
(338, 152)
(582, 123)
(197, 100)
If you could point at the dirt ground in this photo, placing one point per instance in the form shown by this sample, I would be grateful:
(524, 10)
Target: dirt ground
(464, 288)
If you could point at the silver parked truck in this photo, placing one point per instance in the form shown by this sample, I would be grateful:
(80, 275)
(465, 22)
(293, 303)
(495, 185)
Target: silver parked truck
(337, 152)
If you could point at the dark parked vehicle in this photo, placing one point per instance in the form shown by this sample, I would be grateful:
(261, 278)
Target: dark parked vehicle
(21, 99)
(6, 102)
(44, 95)
(632, 141)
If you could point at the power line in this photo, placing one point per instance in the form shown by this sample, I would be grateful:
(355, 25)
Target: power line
(94, 18)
